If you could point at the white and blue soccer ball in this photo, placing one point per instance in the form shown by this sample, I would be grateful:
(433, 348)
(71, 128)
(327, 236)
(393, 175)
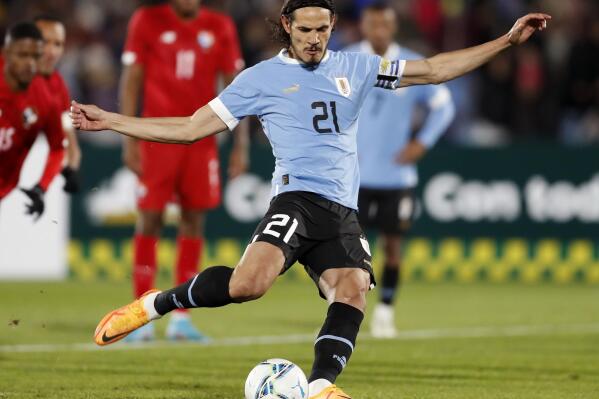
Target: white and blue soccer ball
(276, 379)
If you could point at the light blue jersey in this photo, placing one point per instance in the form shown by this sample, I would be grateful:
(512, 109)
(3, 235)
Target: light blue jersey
(310, 116)
(386, 125)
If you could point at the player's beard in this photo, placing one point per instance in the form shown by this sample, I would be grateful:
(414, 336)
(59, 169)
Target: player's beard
(186, 8)
(316, 55)
(307, 58)
(24, 78)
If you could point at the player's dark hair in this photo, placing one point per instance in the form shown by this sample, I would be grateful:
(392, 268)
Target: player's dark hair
(48, 18)
(378, 5)
(278, 31)
(22, 30)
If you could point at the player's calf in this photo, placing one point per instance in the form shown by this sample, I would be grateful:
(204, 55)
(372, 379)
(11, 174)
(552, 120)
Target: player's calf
(221, 285)
(337, 339)
(209, 289)
(256, 272)
(335, 343)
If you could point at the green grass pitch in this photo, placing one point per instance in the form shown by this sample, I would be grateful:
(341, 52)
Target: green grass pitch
(458, 342)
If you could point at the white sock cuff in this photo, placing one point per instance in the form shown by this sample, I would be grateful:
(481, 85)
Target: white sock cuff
(148, 305)
(317, 386)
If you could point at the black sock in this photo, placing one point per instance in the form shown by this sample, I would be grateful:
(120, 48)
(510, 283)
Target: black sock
(209, 289)
(336, 341)
(391, 280)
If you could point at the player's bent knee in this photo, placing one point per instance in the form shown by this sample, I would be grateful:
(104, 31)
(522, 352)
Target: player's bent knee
(244, 290)
(149, 224)
(352, 288)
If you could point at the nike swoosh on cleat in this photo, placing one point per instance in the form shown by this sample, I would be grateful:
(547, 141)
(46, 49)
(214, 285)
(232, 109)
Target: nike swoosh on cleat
(107, 339)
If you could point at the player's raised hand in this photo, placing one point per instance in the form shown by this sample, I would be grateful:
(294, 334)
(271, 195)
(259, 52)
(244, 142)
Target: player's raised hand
(88, 117)
(526, 26)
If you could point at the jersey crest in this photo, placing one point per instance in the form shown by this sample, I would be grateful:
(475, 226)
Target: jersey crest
(206, 40)
(168, 37)
(343, 86)
(29, 117)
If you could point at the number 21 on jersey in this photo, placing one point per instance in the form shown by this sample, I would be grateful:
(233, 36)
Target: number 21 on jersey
(281, 220)
(322, 115)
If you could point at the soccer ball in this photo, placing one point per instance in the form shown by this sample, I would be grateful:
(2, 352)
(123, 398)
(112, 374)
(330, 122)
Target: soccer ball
(276, 379)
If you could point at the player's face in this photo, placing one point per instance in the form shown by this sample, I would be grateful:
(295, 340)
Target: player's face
(379, 28)
(22, 57)
(310, 32)
(54, 38)
(186, 8)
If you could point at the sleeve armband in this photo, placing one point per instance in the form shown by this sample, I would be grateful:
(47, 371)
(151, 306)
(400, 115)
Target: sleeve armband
(390, 73)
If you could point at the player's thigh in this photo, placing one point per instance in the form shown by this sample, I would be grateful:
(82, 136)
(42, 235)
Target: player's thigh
(368, 207)
(199, 185)
(257, 270)
(159, 170)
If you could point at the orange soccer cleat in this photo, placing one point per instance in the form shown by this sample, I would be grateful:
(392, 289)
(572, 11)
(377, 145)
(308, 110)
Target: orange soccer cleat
(331, 392)
(117, 324)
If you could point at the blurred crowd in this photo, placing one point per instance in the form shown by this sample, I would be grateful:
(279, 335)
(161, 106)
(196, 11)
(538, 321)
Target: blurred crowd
(547, 89)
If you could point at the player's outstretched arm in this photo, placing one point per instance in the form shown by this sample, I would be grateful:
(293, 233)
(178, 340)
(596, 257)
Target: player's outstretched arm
(447, 66)
(183, 130)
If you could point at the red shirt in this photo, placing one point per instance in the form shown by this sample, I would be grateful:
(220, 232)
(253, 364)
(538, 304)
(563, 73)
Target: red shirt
(23, 115)
(58, 91)
(181, 59)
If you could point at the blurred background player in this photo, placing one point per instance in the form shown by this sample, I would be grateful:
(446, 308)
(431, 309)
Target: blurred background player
(25, 111)
(388, 152)
(176, 52)
(54, 34)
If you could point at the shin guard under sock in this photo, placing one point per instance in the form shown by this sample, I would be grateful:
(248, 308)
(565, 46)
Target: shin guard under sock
(144, 263)
(209, 289)
(390, 284)
(336, 341)
(189, 253)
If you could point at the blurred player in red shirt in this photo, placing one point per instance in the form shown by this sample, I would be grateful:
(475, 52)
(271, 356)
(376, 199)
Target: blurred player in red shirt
(54, 34)
(175, 53)
(25, 111)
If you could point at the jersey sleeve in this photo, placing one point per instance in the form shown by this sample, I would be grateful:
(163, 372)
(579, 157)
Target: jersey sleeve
(55, 136)
(441, 111)
(136, 45)
(65, 96)
(230, 59)
(238, 100)
(389, 74)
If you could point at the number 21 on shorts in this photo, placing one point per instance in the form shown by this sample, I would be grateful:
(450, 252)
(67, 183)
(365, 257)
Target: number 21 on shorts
(281, 221)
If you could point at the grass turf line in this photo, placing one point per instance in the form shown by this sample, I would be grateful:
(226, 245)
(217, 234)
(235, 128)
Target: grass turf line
(543, 366)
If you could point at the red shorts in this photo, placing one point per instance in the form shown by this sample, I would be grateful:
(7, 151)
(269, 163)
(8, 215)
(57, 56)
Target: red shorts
(186, 174)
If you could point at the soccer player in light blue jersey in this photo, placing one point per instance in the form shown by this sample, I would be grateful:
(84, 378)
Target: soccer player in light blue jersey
(308, 100)
(388, 153)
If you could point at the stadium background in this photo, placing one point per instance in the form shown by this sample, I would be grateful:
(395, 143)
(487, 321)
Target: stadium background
(502, 265)
(510, 193)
